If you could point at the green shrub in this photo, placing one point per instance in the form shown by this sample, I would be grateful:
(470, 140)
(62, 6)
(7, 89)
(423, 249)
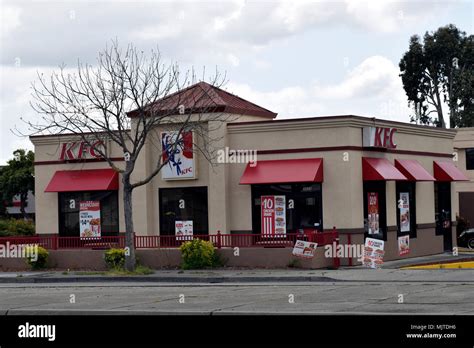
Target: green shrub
(294, 263)
(37, 256)
(199, 254)
(115, 258)
(17, 227)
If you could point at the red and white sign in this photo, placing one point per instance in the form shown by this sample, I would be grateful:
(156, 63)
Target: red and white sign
(373, 253)
(379, 137)
(304, 249)
(178, 155)
(373, 218)
(273, 216)
(404, 245)
(89, 219)
(184, 230)
(79, 150)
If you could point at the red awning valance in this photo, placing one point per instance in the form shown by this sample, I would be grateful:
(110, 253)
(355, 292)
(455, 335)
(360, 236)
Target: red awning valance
(284, 171)
(447, 171)
(413, 170)
(380, 169)
(83, 180)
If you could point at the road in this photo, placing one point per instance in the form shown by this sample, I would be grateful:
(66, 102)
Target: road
(329, 297)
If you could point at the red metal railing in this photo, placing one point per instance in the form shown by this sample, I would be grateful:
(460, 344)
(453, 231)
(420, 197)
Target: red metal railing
(219, 240)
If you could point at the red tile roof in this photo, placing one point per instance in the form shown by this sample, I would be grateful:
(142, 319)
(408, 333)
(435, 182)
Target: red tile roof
(203, 97)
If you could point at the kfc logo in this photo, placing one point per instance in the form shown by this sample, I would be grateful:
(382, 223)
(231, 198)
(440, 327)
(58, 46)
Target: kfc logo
(79, 150)
(379, 137)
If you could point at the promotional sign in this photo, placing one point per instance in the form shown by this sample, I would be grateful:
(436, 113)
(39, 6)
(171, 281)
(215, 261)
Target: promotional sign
(404, 245)
(373, 212)
(379, 137)
(304, 249)
(273, 210)
(183, 230)
(373, 253)
(89, 217)
(178, 155)
(404, 206)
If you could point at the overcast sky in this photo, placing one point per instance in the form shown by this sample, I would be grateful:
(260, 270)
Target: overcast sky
(296, 58)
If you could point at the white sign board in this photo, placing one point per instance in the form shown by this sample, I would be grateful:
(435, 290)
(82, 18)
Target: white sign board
(178, 155)
(184, 230)
(373, 253)
(304, 249)
(89, 219)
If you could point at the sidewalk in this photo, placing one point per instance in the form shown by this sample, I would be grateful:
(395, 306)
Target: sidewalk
(390, 272)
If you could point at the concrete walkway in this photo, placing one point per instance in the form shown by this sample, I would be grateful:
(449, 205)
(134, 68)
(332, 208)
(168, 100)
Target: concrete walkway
(390, 272)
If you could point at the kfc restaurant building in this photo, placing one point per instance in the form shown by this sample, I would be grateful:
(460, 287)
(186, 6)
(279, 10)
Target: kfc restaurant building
(366, 177)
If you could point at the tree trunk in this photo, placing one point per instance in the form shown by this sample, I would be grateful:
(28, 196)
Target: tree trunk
(439, 109)
(129, 233)
(23, 198)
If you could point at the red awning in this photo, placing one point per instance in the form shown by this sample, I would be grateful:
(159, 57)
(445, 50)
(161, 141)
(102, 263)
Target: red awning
(83, 180)
(447, 171)
(413, 170)
(379, 169)
(284, 171)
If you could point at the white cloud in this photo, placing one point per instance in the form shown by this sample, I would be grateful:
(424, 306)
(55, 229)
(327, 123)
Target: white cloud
(9, 19)
(373, 88)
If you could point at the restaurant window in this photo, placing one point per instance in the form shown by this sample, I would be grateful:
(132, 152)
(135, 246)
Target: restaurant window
(69, 208)
(303, 205)
(375, 211)
(470, 159)
(442, 197)
(186, 204)
(406, 208)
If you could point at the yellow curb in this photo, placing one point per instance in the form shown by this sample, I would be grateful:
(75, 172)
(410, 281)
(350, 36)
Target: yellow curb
(453, 265)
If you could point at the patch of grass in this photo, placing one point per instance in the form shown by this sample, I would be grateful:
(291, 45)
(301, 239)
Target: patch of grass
(294, 263)
(139, 270)
(90, 273)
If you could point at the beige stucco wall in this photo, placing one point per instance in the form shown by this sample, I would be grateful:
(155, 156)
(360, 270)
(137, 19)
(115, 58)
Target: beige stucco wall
(342, 187)
(229, 206)
(47, 149)
(464, 139)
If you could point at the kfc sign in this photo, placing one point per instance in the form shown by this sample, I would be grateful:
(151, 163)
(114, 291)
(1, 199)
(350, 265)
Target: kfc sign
(79, 150)
(379, 137)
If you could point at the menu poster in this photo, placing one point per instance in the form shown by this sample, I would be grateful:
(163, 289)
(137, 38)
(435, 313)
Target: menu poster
(273, 211)
(183, 230)
(89, 217)
(373, 253)
(373, 212)
(404, 206)
(304, 249)
(404, 245)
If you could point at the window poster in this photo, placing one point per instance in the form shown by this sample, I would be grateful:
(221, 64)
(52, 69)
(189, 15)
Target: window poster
(403, 245)
(404, 206)
(184, 230)
(373, 253)
(373, 213)
(89, 217)
(273, 212)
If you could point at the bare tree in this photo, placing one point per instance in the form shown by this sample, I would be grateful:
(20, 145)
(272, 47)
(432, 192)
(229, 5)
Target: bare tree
(123, 98)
